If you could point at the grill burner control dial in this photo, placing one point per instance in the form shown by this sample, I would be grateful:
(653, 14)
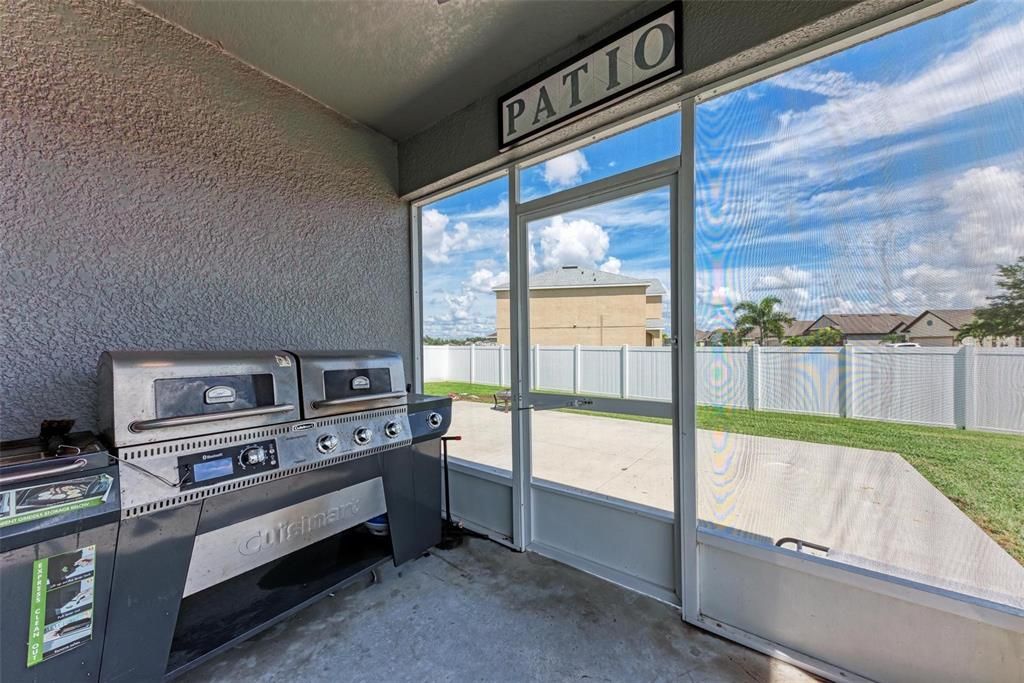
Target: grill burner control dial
(392, 429)
(434, 420)
(254, 455)
(362, 436)
(327, 443)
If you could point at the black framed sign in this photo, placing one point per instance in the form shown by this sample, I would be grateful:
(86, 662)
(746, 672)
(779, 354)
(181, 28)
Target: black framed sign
(633, 58)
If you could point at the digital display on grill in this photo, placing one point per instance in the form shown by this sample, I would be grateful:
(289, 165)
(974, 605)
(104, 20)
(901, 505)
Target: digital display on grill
(213, 469)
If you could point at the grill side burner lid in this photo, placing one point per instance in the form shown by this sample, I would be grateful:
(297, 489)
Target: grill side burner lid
(150, 396)
(338, 382)
(56, 447)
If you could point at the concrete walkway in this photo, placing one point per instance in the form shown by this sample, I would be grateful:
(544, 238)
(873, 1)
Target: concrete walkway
(484, 613)
(870, 507)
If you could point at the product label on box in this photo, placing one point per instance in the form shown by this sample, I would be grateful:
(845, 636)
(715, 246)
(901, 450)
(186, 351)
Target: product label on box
(45, 500)
(61, 607)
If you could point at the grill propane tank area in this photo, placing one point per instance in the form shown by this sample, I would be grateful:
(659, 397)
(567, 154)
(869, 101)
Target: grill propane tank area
(234, 488)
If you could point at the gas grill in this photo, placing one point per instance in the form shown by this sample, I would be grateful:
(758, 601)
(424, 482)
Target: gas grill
(246, 479)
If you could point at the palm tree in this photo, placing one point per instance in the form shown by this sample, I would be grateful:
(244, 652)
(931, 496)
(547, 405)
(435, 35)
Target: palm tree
(763, 317)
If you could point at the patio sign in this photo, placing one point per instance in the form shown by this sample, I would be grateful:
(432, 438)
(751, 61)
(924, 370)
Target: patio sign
(633, 58)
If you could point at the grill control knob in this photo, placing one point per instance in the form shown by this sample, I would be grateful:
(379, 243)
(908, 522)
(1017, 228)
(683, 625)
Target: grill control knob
(253, 455)
(392, 429)
(327, 443)
(434, 420)
(362, 436)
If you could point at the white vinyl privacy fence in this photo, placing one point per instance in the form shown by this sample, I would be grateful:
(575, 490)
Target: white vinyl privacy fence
(967, 387)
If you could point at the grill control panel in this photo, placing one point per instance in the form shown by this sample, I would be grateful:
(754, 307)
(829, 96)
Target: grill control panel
(201, 466)
(214, 467)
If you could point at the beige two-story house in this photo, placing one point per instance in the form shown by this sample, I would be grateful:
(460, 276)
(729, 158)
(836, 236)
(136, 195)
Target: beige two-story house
(574, 305)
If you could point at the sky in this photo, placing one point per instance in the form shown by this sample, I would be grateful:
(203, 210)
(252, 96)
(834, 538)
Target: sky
(888, 177)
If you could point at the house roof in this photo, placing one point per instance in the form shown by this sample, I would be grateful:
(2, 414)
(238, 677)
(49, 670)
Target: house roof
(954, 317)
(797, 328)
(575, 277)
(863, 323)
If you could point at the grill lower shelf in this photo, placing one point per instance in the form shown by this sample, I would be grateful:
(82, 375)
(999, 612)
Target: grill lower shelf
(215, 617)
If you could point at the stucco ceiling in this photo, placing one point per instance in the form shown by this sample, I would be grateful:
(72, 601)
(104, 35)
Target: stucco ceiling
(397, 66)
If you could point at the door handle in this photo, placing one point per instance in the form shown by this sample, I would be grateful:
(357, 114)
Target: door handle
(167, 422)
(39, 473)
(356, 399)
(558, 403)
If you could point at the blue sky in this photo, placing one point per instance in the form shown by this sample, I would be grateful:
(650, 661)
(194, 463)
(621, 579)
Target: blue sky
(889, 177)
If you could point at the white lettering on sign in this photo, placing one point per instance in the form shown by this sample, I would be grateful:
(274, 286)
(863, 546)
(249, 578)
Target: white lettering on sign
(645, 52)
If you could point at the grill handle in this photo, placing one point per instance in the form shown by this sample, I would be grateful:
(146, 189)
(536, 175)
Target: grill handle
(79, 463)
(183, 420)
(356, 399)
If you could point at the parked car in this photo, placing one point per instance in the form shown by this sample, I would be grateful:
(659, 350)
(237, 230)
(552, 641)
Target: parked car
(903, 345)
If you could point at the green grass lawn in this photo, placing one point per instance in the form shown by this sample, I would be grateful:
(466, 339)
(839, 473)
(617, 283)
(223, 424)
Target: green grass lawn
(981, 472)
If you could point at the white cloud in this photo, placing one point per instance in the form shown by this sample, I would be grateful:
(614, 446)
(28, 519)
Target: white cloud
(985, 71)
(988, 205)
(439, 242)
(647, 209)
(433, 223)
(578, 242)
(497, 211)
(565, 170)
(484, 280)
(459, 305)
(721, 296)
(789, 278)
(829, 83)
(981, 225)
(612, 265)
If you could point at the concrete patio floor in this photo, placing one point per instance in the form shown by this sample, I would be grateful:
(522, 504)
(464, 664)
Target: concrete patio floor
(484, 613)
(870, 507)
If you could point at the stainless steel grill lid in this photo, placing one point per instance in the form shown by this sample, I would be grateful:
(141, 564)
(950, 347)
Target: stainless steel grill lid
(337, 382)
(150, 396)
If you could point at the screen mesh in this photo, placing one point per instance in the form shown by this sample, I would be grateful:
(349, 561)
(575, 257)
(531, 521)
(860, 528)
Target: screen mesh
(860, 289)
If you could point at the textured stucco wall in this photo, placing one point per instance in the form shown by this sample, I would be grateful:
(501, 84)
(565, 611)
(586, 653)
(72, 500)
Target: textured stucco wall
(157, 194)
(720, 38)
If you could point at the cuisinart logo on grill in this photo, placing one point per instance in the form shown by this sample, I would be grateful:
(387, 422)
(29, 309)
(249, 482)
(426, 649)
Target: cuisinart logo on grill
(231, 550)
(301, 528)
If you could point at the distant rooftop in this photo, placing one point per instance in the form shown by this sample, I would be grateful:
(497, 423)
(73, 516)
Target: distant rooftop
(956, 317)
(568, 277)
(797, 328)
(863, 323)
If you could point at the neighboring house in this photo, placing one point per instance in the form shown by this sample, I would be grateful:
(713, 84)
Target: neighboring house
(574, 305)
(939, 327)
(702, 337)
(862, 328)
(712, 337)
(797, 328)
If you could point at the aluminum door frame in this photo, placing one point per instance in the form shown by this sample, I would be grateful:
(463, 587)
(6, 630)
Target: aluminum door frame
(662, 174)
